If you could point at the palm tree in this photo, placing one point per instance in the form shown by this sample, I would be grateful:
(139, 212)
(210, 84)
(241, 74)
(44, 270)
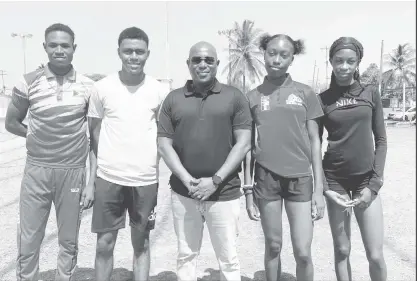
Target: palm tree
(401, 63)
(245, 64)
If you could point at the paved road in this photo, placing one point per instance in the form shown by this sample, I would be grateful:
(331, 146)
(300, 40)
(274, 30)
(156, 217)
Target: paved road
(399, 199)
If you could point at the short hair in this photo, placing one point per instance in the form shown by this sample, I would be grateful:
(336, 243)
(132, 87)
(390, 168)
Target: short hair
(298, 45)
(133, 33)
(60, 27)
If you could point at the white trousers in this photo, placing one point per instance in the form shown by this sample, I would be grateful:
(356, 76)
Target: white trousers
(222, 219)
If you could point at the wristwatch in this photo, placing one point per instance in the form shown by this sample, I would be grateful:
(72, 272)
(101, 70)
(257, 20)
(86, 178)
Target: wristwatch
(216, 180)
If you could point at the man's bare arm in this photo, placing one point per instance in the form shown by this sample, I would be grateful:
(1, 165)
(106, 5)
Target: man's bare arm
(14, 120)
(316, 156)
(94, 125)
(170, 156)
(249, 159)
(237, 154)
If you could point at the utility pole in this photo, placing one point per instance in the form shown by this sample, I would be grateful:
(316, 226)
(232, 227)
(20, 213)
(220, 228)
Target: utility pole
(317, 81)
(2, 73)
(228, 33)
(327, 64)
(167, 43)
(403, 80)
(381, 63)
(23, 37)
(314, 74)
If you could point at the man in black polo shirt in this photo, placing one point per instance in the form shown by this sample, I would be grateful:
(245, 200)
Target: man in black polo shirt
(204, 134)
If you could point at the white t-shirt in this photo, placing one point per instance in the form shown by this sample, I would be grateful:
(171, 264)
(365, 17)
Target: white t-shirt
(127, 149)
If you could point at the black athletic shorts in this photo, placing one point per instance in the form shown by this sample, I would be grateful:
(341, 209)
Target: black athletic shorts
(112, 200)
(352, 186)
(270, 186)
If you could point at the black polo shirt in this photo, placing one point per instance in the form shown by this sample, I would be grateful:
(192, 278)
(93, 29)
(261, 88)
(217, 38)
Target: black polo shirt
(201, 128)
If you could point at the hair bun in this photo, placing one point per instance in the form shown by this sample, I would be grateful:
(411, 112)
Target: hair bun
(299, 47)
(264, 40)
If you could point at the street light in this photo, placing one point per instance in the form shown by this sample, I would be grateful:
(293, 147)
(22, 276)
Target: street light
(23, 36)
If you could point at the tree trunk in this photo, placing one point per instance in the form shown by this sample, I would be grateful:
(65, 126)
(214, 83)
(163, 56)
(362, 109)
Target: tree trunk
(244, 83)
(244, 80)
(229, 77)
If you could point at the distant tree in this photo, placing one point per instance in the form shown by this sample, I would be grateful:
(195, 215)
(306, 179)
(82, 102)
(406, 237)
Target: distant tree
(401, 63)
(245, 65)
(95, 76)
(371, 75)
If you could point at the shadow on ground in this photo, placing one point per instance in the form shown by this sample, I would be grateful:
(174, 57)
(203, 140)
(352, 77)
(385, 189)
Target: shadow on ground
(122, 274)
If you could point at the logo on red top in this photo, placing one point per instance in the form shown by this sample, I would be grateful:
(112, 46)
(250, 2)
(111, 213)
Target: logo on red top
(293, 99)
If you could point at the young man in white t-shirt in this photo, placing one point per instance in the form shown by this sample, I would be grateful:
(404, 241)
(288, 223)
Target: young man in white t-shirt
(123, 124)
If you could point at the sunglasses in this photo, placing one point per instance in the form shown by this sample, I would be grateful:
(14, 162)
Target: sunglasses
(208, 60)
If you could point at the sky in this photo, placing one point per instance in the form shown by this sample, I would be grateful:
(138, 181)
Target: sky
(97, 26)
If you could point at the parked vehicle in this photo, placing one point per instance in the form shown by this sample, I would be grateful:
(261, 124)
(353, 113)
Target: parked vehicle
(395, 111)
(410, 115)
(392, 113)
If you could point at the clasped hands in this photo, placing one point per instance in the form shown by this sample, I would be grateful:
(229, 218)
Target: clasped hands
(200, 189)
(363, 200)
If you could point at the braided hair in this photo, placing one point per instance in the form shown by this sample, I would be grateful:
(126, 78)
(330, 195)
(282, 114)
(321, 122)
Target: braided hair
(346, 43)
(298, 45)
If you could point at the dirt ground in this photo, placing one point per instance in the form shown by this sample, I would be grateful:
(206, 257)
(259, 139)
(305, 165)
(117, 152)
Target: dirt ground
(399, 201)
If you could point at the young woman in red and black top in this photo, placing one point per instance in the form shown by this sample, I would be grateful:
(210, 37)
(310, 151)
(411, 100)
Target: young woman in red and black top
(288, 158)
(353, 118)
